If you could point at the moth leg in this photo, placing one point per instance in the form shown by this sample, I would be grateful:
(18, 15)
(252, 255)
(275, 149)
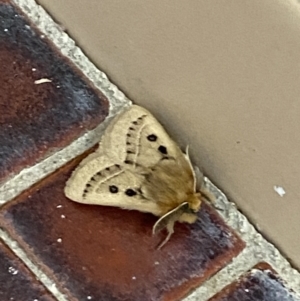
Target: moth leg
(168, 220)
(170, 229)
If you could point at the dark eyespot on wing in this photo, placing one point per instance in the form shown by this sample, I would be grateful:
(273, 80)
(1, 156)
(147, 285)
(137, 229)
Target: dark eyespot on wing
(152, 137)
(163, 149)
(128, 162)
(130, 192)
(100, 177)
(113, 189)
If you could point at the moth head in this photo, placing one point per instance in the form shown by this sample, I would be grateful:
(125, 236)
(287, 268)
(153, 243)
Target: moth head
(189, 215)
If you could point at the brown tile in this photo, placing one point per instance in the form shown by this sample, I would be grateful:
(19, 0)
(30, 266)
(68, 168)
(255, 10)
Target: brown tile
(17, 282)
(36, 120)
(261, 283)
(108, 253)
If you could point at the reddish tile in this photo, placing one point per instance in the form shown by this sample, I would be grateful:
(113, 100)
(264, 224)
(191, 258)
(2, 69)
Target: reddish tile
(17, 282)
(109, 253)
(36, 120)
(261, 283)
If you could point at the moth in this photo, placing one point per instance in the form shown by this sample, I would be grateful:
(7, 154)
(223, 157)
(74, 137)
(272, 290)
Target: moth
(139, 167)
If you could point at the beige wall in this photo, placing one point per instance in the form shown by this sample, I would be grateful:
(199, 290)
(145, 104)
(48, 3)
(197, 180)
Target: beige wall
(223, 77)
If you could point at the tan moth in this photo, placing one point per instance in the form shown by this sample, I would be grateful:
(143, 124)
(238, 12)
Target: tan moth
(138, 167)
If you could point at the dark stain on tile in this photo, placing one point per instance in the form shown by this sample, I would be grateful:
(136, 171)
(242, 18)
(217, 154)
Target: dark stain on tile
(37, 120)
(17, 282)
(261, 283)
(109, 253)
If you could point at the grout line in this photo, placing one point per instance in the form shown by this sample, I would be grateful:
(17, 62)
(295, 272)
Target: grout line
(29, 176)
(40, 275)
(67, 46)
(257, 249)
(117, 100)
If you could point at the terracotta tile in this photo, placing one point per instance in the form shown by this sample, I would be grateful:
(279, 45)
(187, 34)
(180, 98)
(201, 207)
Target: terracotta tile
(108, 253)
(36, 119)
(261, 283)
(17, 282)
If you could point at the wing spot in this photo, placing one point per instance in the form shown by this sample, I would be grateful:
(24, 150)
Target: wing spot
(163, 149)
(135, 122)
(128, 135)
(152, 137)
(128, 162)
(113, 189)
(107, 168)
(130, 192)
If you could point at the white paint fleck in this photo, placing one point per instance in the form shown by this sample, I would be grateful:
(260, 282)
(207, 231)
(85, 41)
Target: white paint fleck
(279, 190)
(42, 81)
(13, 271)
(156, 263)
(33, 69)
(57, 87)
(59, 240)
(35, 300)
(89, 297)
(5, 29)
(58, 206)
(42, 36)
(133, 278)
(63, 216)
(246, 290)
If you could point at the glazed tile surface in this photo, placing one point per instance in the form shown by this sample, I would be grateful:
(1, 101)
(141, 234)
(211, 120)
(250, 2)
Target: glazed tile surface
(109, 253)
(45, 100)
(16, 281)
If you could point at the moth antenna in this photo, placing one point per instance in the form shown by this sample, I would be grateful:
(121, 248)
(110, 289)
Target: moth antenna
(199, 182)
(174, 214)
(168, 220)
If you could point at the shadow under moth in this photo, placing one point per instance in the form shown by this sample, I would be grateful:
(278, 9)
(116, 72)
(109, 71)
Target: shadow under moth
(139, 167)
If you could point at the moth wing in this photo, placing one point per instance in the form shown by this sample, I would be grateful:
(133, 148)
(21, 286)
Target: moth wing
(136, 137)
(99, 181)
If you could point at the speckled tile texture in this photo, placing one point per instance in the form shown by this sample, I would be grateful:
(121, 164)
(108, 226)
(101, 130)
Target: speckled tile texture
(109, 253)
(17, 282)
(261, 283)
(39, 116)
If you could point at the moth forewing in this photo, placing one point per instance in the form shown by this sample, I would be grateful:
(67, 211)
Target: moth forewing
(138, 167)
